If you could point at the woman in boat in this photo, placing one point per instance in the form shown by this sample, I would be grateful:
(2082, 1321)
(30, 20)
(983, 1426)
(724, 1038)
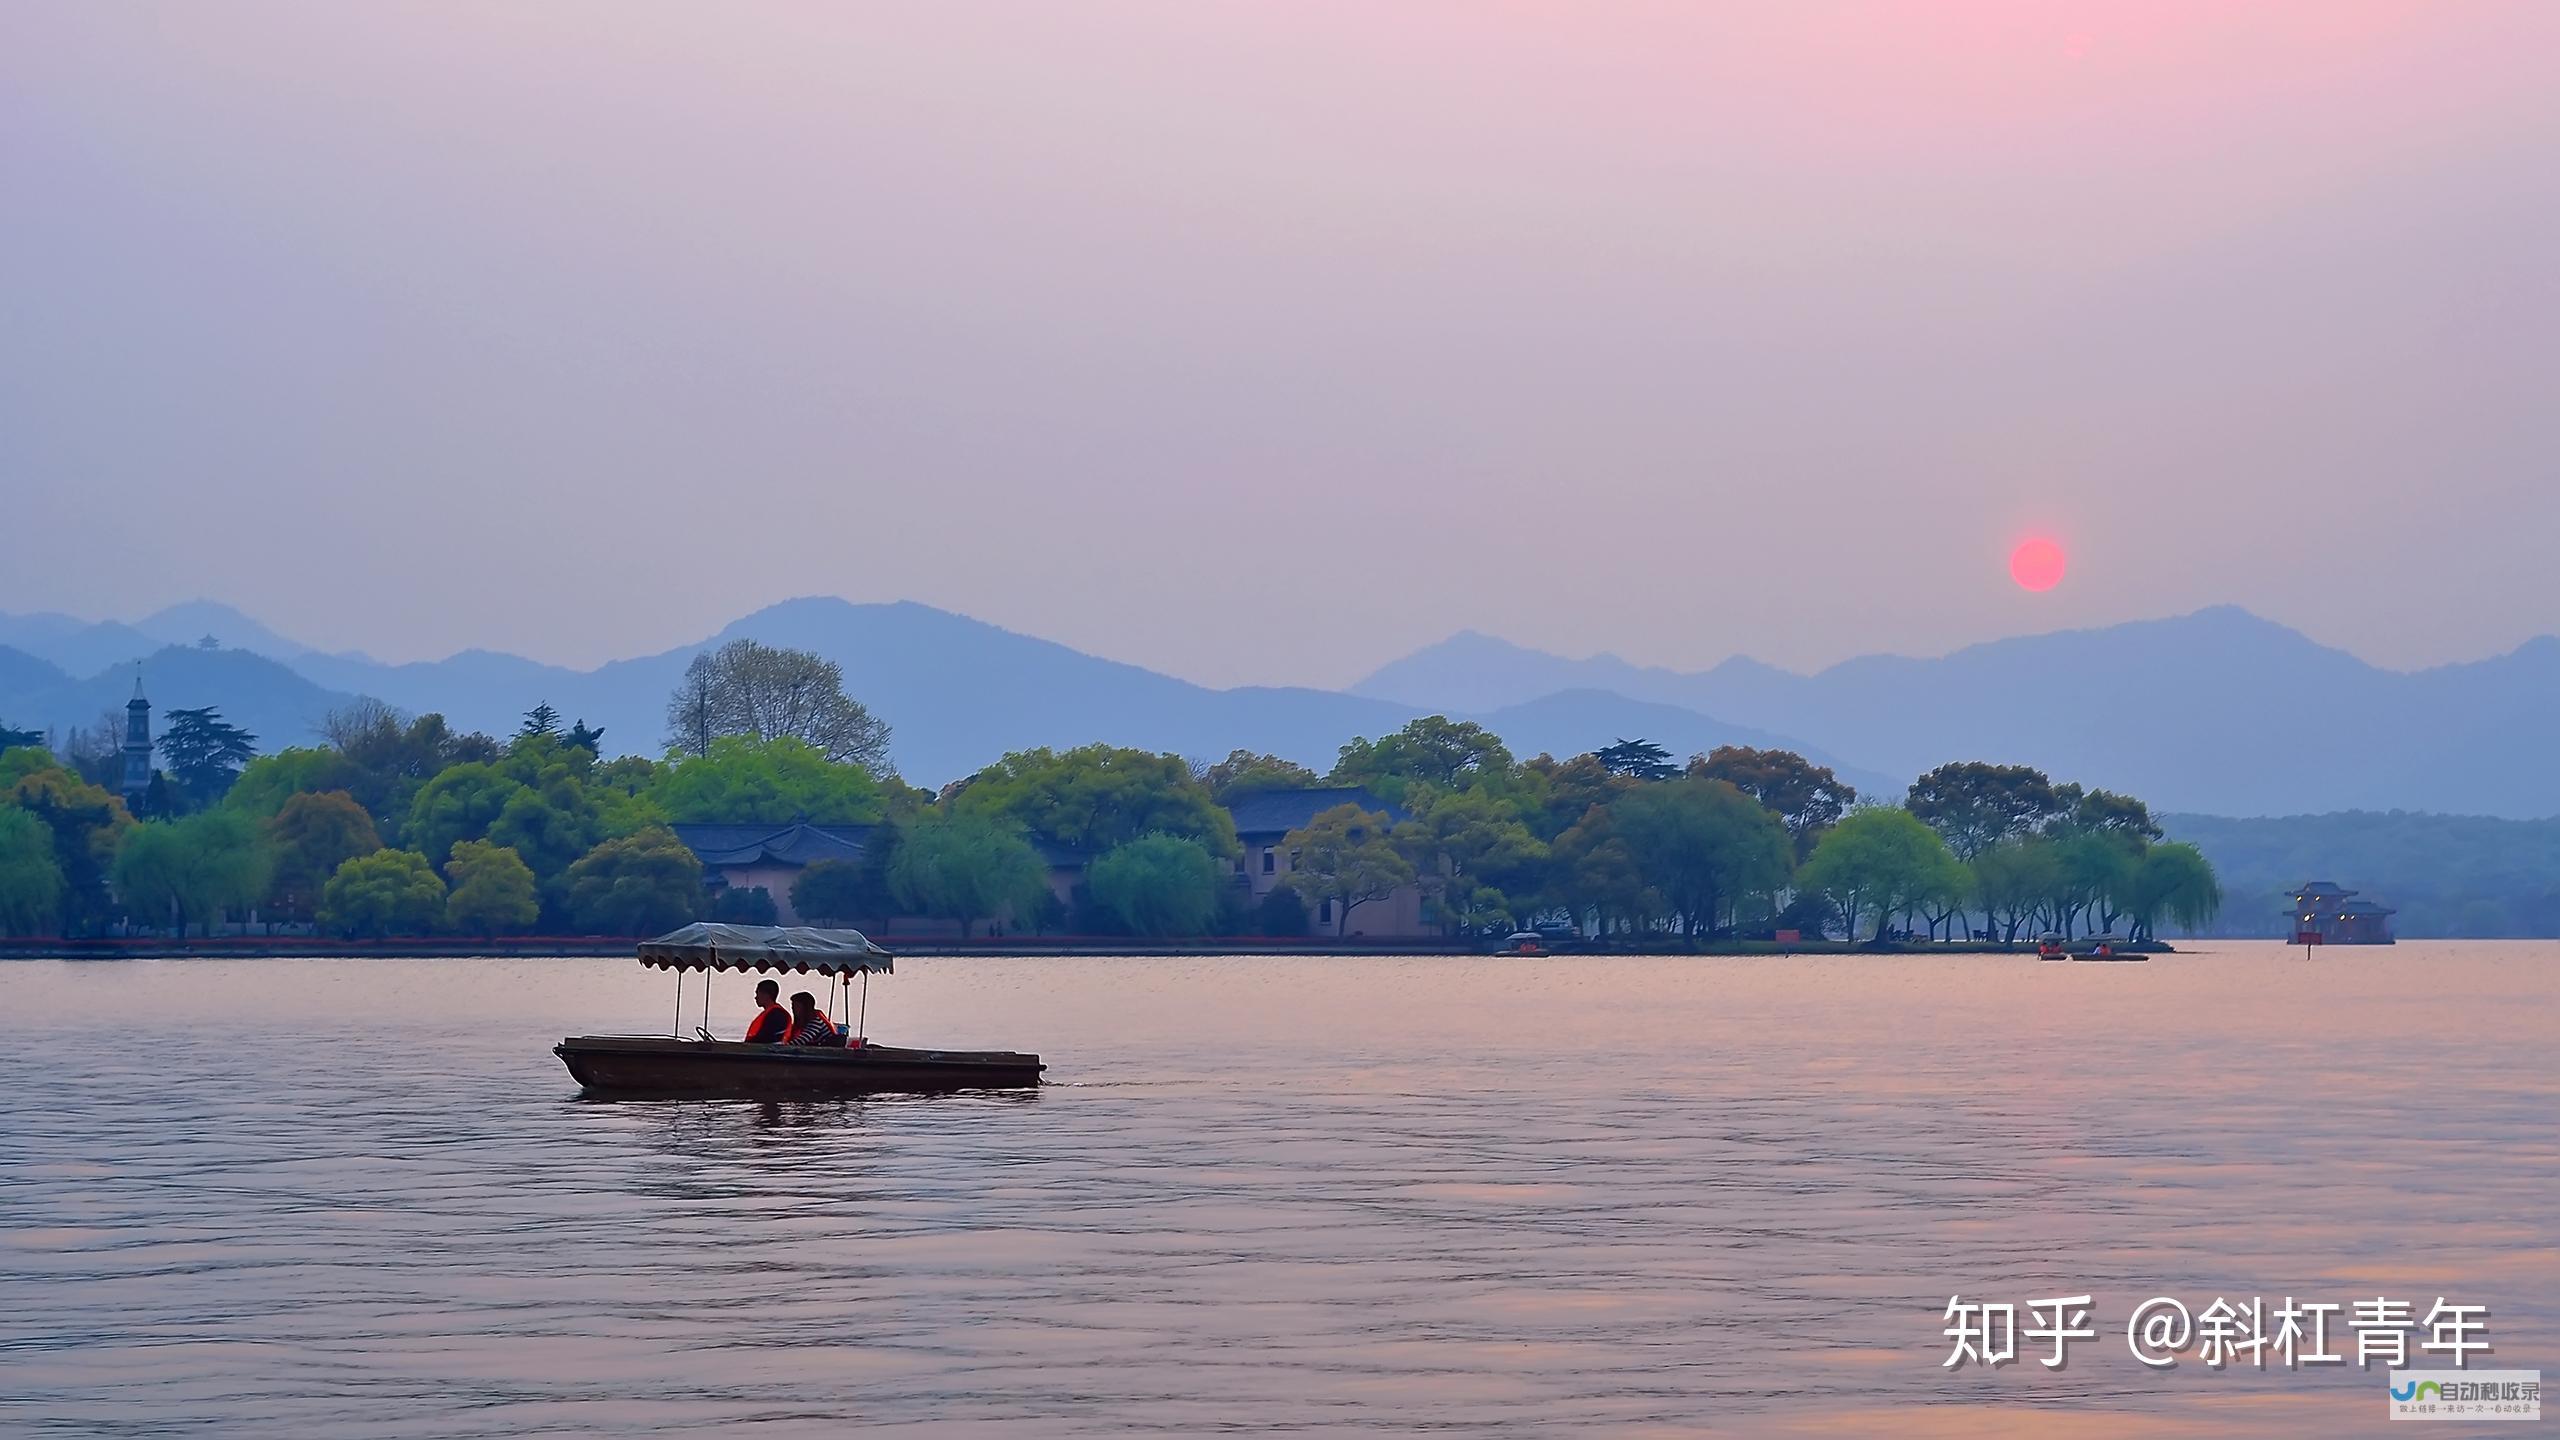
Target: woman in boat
(809, 1024)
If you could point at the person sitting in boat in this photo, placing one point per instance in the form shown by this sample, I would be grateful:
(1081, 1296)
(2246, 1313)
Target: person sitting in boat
(772, 1022)
(809, 1024)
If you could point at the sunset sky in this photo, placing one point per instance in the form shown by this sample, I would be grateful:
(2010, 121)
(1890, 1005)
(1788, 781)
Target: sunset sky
(1265, 342)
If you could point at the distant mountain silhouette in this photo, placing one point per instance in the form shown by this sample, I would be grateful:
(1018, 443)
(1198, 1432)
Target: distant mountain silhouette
(263, 696)
(2218, 712)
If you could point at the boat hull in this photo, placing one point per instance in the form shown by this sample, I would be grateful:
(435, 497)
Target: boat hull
(622, 1065)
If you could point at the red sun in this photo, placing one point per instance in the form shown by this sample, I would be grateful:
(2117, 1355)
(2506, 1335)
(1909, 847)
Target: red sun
(2037, 563)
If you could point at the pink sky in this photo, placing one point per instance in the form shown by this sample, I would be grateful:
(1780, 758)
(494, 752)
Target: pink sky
(1261, 343)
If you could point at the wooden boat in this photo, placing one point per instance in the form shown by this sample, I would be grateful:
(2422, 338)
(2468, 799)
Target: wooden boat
(652, 1065)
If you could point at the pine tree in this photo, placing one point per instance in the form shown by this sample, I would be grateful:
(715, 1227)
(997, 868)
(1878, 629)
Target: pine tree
(540, 720)
(205, 753)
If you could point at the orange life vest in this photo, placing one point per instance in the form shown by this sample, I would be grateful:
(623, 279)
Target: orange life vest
(791, 1032)
(758, 1022)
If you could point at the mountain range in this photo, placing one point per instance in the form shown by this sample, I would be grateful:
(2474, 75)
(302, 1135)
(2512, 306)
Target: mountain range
(2217, 712)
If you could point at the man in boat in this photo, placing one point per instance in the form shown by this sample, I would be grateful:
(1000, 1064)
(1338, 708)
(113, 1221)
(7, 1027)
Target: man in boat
(809, 1024)
(772, 1022)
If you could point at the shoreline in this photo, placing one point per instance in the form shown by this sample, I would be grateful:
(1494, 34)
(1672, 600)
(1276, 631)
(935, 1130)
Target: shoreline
(562, 947)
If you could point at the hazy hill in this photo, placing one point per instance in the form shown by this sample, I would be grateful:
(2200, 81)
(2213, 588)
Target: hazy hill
(2217, 712)
(960, 692)
(2447, 875)
(263, 696)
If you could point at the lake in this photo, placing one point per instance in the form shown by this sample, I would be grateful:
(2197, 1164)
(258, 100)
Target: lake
(338, 1198)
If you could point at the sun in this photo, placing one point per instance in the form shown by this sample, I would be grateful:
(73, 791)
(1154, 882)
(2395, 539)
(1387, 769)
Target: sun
(2037, 563)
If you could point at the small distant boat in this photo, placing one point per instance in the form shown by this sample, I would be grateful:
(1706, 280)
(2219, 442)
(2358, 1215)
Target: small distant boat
(650, 1065)
(2053, 945)
(1524, 942)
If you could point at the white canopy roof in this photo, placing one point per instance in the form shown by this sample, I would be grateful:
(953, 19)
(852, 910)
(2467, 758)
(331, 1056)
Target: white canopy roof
(708, 946)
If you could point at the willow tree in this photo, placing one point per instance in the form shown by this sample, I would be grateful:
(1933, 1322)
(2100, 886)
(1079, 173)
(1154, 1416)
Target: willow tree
(2176, 883)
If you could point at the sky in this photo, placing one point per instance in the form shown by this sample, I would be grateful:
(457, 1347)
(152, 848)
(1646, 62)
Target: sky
(1263, 343)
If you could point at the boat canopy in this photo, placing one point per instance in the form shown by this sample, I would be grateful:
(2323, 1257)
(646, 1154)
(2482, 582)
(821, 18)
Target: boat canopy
(708, 946)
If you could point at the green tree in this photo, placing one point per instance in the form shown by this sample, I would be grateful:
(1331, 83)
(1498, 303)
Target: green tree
(966, 868)
(2108, 813)
(1701, 845)
(548, 826)
(1974, 806)
(1594, 872)
(205, 753)
(11, 737)
(88, 825)
(459, 803)
(1561, 792)
(589, 738)
(190, 871)
(1881, 862)
(2096, 869)
(389, 892)
(2012, 879)
(2174, 882)
(493, 890)
(1096, 797)
(847, 892)
(640, 884)
(1807, 797)
(1473, 856)
(540, 720)
(764, 693)
(30, 879)
(1636, 759)
(268, 781)
(1346, 856)
(1158, 885)
(1433, 750)
(1245, 773)
(310, 837)
(743, 781)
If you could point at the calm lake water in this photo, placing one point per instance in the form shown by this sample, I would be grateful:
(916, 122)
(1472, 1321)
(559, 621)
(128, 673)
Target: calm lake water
(1623, 1197)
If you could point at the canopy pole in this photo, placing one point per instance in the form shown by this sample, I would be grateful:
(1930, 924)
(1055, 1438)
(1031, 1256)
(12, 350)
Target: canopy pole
(677, 1029)
(865, 1017)
(706, 998)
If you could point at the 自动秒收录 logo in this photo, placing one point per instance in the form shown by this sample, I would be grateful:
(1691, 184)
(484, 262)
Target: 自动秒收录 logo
(2416, 1390)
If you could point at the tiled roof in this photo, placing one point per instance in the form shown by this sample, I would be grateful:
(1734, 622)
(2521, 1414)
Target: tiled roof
(721, 846)
(1276, 812)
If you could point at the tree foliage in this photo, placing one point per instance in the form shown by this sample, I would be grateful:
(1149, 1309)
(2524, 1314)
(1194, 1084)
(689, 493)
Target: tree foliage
(765, 692)
(88, 825)
(743, 781)
(389, 892)
(1433, 750)
(1701, 845)
(188, 872)
(1636, 760)
(1473, 856)
(493, 890)
(1882, 862)
(1974, 806)
(640, 884)
(1158, 885)
(1346, 856)
(30, 878)
(1096, 797)
(205, 753)
(967, 868)
(310, 837)
(1245, 773)
(1807, 797)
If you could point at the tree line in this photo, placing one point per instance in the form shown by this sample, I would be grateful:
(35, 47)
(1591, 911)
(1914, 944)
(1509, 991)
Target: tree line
(398, 825)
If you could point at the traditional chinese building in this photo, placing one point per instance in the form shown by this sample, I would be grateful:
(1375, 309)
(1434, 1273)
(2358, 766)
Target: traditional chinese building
(2324, 909)
(1263, 822)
